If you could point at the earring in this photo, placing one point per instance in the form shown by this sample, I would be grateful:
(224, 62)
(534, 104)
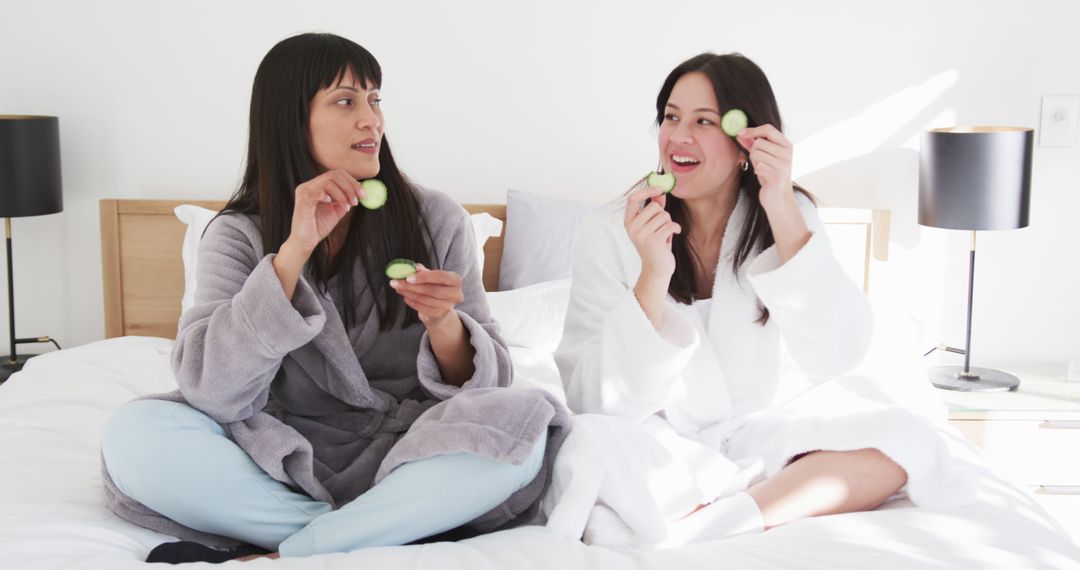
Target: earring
(744, 165)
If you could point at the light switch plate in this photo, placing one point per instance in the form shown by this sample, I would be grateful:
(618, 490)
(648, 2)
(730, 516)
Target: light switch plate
(1060, 115)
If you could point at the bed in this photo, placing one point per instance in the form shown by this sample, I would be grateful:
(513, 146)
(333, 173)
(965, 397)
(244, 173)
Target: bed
(52, 508)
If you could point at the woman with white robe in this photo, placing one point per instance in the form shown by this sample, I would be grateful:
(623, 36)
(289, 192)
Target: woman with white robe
(683, 309)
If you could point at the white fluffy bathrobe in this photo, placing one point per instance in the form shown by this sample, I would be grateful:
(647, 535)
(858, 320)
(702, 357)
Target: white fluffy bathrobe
(704, 406)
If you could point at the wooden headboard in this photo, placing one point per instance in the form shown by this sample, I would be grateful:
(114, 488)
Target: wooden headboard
(143, 273)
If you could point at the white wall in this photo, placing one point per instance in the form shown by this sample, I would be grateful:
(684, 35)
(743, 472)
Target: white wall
(556, 97)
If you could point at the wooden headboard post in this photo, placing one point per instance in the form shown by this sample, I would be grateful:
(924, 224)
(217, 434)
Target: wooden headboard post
(110, 268)
(142, 268)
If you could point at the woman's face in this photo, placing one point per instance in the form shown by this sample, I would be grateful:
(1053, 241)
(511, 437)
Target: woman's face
(692, 145)
(346, 127)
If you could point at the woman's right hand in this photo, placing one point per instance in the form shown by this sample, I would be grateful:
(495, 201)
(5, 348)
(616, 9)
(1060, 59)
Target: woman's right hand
(651, 230)
(319, 204)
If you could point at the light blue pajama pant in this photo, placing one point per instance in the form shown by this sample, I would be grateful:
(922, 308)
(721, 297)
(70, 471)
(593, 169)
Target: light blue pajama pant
(179, 462)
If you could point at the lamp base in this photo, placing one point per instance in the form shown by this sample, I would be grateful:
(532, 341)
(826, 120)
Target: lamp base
(977, 379)
(7, 367)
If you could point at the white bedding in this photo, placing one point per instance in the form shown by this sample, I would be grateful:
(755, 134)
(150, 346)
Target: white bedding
(53, 515)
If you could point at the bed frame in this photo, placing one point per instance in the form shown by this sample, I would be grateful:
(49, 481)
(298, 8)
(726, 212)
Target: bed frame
(143, 273)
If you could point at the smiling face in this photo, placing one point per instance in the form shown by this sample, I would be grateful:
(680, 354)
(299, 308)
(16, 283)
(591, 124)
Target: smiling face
(693, 147)
(346, 127)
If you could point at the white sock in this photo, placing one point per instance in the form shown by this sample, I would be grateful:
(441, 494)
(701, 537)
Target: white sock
(729, 516)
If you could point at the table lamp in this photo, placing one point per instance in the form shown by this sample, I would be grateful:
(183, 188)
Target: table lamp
(29, 186)
(974, 179)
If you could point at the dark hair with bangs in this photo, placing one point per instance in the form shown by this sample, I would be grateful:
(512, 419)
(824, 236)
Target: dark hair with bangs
(280, 158)
(738, 84)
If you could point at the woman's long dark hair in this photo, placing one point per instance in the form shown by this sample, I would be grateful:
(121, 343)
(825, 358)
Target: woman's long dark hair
(279, 158)
(739, 84)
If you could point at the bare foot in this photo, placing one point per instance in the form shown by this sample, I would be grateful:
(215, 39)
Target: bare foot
(272, 556)
(696, 509)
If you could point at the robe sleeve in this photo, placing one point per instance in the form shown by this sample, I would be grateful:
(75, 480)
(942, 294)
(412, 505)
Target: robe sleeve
(824, 317)
(230, 344)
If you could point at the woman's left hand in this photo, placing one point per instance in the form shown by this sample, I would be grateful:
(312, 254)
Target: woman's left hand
(433, 294)
(770, 154)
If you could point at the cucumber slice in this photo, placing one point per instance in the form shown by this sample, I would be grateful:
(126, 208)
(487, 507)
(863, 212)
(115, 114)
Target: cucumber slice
(665, 181)
(733, 121)
(375, 194)
(400, 268)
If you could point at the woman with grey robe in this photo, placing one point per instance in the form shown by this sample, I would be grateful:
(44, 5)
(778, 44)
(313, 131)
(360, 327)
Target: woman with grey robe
(323, 407)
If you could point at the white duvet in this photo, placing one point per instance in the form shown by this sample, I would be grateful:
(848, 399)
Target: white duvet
(53, 515)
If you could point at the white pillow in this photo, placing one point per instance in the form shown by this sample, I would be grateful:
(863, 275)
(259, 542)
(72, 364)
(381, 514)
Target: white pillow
(484, 226)
(532, 317)
(541, 234)
(196, 219)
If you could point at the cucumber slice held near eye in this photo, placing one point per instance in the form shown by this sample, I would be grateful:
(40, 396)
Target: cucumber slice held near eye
(400, 268)
(375, 194)
(664, 181)
(733, 121)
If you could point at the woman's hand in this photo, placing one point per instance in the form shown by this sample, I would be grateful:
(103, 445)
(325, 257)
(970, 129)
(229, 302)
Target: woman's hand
(651, 230)
(320, 203)
(432, 293)
(770, 153)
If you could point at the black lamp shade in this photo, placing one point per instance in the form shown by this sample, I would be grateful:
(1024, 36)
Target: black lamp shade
(29, 166)
(975, 178)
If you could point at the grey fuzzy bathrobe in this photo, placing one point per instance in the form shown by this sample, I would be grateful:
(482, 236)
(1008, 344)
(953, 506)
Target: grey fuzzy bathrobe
(329, 410)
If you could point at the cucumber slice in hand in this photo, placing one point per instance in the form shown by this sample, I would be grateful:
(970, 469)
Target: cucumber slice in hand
(375, 194)
(733, 121)
(665, 182)
(400, 268)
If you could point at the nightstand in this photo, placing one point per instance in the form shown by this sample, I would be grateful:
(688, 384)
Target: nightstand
(1032, 436)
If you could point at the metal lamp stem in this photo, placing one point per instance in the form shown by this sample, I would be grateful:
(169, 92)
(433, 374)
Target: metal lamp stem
(13, 356)
(966, 378)
(971, 293)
